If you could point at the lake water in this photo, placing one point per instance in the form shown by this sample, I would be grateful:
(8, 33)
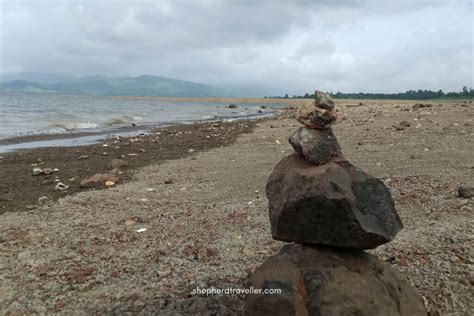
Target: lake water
(33, 113)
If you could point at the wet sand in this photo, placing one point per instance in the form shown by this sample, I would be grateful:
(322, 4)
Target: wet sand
(52, 137)
(20, 190)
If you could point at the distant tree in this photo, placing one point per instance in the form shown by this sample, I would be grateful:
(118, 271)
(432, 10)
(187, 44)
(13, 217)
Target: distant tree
(408, 95)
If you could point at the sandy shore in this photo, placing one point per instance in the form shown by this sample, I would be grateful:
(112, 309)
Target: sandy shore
(20, 190)
(208, 226)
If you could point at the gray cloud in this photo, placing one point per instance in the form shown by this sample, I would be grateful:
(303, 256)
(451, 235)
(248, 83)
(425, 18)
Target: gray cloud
(293, 46)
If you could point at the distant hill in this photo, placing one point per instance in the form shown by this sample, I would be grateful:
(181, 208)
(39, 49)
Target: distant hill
(37, 77)
(144, 85)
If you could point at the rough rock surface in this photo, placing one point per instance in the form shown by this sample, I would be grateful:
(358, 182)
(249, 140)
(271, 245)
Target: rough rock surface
(323, 101)
(314, 117)
(321, 281)
(316, 146)
(319, 113)
(334, 204)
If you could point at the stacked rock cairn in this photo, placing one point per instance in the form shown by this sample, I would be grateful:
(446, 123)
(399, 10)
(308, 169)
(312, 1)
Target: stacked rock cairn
(331, 211)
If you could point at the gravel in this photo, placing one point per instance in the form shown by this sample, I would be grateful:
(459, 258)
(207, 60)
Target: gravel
(206, 220)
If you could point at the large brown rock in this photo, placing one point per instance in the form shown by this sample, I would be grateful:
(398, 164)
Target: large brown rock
(316, 146)
(324, 281)
(334, 204)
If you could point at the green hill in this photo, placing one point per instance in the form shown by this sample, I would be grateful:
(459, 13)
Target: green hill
(138, 86)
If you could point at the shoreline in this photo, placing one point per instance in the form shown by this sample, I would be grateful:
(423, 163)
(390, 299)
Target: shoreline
(121, 122)
(122, 130)
(20, 190)
(11, 140)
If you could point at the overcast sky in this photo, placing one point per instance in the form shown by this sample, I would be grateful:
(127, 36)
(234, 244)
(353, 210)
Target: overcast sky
(293, 46)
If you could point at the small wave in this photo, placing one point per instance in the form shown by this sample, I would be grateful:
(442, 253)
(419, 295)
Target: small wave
(209, 117)
(116, 121)
(67, 127)
(123, 120)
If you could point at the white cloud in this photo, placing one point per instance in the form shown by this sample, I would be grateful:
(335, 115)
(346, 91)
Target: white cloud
(293, 46)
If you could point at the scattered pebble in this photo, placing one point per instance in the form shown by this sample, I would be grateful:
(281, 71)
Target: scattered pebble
(130, 222)
(61, 187)
(37, 171)
(43, 199)
(466, 192)
(402, 125)
(109, 184)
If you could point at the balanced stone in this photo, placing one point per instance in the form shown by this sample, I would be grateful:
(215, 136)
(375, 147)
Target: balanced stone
(323, 100)
(319, 113)
(321, 281)
(316, 146)
(334, 204)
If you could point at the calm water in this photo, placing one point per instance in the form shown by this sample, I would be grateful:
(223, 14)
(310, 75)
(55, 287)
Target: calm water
(31, 113)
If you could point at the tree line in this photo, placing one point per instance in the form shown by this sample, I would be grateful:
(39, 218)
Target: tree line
(408, 95)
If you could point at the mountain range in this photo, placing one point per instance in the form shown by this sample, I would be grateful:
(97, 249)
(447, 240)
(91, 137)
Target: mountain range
(144, 85)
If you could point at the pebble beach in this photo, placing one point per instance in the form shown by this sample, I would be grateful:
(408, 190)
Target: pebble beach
(190, 211)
